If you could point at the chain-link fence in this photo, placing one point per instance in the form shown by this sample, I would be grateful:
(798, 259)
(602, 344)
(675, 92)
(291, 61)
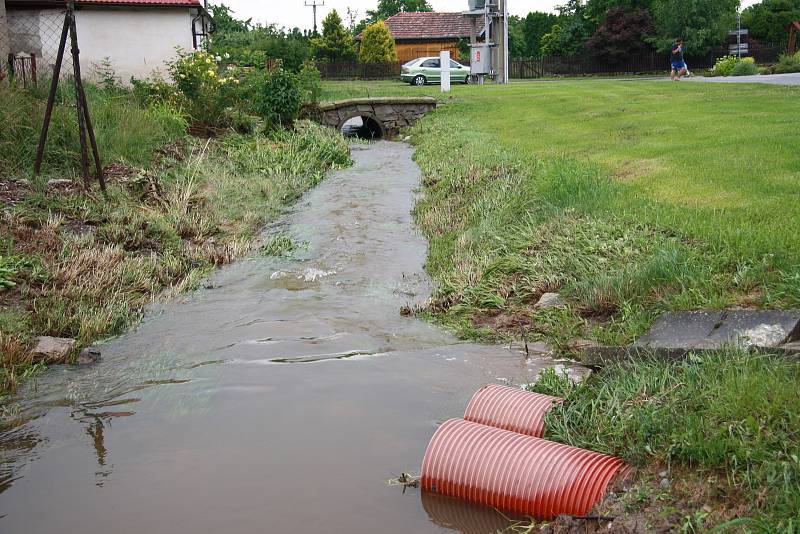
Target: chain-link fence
(29, 40)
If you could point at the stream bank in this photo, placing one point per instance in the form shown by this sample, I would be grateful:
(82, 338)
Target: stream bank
(282, 399)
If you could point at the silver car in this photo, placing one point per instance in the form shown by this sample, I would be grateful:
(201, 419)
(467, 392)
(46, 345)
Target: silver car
(424, 70)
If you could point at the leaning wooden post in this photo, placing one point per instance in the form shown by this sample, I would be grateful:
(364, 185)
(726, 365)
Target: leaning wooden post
(80, 95)
(51, 98)
(76, 69)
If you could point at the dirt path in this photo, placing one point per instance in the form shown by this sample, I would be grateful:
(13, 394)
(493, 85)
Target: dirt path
(280, 400)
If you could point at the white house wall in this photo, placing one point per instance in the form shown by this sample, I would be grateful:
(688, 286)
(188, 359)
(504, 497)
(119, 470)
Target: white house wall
(136, 41)
(4, 38)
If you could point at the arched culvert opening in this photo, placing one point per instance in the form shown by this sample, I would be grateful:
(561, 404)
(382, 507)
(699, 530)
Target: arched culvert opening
(362, 127)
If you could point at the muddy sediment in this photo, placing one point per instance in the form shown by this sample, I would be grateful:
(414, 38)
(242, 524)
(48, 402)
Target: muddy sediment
(281, 400)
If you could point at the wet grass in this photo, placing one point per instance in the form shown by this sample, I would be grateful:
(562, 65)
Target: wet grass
(600, 197)
(630, 199)
(76, 264)
(731, 417)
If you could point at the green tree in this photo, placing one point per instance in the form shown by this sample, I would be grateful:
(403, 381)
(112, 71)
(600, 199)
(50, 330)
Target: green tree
(623, 33)
(335, 43)
(225, 22)
(596, 9)
(566, 38)
(534, 26)
(387, 8)
(767, 21)
(252, 45)
(703, 24)
(377, 44)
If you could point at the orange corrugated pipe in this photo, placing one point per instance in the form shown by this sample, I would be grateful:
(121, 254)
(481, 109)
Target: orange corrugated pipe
(515, 472)
(510, 409)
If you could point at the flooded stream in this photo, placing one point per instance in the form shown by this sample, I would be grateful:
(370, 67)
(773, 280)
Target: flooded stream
(281, 398)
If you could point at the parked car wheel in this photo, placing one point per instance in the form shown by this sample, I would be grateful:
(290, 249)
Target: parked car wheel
(419, 80)
(467, 80)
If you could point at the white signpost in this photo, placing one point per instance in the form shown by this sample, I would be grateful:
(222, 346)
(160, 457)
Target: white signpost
(444, 63)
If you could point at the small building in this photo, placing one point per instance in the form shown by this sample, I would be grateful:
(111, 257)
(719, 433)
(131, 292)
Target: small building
(136, 37)
(418, 34)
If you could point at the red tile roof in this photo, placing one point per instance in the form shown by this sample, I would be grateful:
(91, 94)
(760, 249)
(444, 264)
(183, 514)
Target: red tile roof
(154, 3)
(430, 25)
(140, 3)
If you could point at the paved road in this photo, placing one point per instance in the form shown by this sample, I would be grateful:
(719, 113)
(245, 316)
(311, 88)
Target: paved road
(775, 79)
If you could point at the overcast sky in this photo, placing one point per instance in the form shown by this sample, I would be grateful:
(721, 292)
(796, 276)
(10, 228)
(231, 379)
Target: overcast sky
(292, 13)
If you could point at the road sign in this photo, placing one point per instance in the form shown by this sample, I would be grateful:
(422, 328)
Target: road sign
(740, 48)
(743, 31)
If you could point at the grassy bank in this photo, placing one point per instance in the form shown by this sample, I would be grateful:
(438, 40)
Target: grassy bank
(75, 264)
(722, 430)
(600, 191)
(629, 199)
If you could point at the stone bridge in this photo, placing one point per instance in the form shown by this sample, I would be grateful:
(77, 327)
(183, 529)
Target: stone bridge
(381, 117)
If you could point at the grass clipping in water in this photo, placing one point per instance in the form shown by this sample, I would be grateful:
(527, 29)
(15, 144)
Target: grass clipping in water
(79, 266)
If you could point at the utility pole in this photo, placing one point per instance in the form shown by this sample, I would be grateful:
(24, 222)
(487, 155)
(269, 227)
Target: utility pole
(313, 5)
(739, 35)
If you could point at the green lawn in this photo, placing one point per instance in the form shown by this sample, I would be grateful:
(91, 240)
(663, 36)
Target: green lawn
(629, 198)
(718, 161)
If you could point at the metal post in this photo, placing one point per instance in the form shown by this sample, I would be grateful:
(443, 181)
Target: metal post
(313, 5)
(739, 35)
(51, 98)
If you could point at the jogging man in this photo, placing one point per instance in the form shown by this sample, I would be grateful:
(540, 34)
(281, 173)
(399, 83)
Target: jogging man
(678, 65)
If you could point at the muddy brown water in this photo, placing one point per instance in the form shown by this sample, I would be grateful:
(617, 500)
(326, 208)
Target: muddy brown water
(279, 399)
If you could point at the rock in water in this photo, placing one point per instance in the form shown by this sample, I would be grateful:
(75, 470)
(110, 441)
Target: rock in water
(51, 350)
(550, 300)
(88, 356)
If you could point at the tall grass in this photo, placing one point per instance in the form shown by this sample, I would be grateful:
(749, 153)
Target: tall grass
(731, 414)
(506, 227)
(125, 131)
(84, 266)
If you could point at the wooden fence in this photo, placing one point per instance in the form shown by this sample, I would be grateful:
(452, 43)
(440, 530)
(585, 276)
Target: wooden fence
(580, 65)
(355, 70)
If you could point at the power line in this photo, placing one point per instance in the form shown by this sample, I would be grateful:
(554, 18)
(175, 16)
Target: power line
(313, 5)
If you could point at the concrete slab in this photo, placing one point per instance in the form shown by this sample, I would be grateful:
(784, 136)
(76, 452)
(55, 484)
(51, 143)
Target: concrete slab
(680, 330)
(709, 330)
(757, 328)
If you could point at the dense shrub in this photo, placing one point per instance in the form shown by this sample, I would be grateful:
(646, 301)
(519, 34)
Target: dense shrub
(724, 66)
(278, 96)
(733, 66)
(310, 82)
(788, 63)
(745, 67)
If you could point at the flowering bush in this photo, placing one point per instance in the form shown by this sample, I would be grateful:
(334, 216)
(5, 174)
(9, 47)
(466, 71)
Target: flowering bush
(733, 66)
(208, 87)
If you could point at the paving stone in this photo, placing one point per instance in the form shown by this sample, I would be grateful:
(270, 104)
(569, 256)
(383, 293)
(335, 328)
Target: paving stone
(754, 328)
(680, 330)
(715, 329)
